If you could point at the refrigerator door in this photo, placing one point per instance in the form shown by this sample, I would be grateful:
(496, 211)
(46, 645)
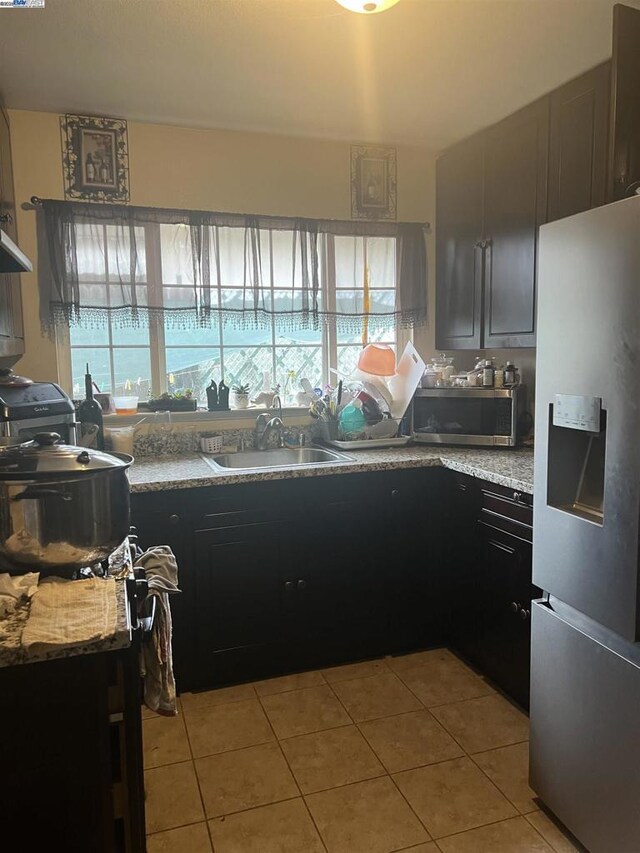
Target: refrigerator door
(585, 734)
(587, 450)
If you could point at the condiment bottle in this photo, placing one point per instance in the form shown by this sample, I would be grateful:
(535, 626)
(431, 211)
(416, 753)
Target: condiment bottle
(498, 377)
(90, 414)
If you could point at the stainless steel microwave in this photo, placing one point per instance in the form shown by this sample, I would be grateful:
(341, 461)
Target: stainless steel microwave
(483, 417)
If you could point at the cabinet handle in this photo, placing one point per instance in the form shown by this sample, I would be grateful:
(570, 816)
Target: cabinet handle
(395, 494)
(524, 614)
(515, 607)
(6, 218)
(174, 519)
(289, 586)
(302, 584)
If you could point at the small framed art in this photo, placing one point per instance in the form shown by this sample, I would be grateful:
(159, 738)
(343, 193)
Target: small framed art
(373, 182)
(95, 158)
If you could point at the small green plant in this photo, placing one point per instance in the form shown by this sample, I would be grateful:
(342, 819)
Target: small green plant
(240, 389)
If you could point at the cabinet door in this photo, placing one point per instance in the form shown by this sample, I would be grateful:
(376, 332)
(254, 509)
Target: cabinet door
(162, 519)
(239, 616)
(419, 584)
(578, 134)
(504, 640)
(459, 199)
(624, 147)
(338, 581)
(515, 206)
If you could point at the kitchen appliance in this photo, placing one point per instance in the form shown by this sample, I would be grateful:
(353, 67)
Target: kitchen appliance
(585, 681)
(28, 407)
(61, 505)
(483, 417)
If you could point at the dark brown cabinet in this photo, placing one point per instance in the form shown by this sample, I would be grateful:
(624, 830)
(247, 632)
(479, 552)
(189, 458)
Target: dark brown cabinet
(578, 144)
(491, 569)
(577, 148)
(459, 256)
(11, 327)
(285, 576)
(491, 198)
(624, 144)
(515, 204)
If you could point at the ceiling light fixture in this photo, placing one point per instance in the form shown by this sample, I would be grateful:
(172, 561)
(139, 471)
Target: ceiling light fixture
(367, 7)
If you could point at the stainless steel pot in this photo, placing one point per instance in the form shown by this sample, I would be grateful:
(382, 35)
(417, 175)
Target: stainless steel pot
(61, 505)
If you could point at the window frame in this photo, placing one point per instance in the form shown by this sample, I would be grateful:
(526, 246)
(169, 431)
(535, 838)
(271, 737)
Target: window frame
(329, 340)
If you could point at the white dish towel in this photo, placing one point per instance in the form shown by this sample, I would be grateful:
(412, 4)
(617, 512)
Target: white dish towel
(70, 613)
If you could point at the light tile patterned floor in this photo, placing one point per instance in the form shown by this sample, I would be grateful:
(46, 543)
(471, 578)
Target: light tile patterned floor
(416, 754)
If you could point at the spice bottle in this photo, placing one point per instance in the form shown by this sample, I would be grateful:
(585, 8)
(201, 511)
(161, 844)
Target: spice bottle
(487, 373)
(511, 375)
(498, 377)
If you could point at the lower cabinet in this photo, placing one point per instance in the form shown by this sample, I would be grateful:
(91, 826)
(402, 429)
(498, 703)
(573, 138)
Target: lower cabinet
(295, 574)
(491, 623)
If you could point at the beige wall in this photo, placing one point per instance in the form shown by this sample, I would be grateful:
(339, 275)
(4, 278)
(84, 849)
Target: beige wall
(211, 170)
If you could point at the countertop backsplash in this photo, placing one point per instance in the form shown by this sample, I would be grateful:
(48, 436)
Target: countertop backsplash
(154, 441)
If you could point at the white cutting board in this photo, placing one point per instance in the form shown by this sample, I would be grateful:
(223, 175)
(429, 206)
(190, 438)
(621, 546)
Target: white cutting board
(406, 379)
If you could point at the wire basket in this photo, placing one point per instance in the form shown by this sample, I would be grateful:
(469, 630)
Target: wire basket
(211, 443)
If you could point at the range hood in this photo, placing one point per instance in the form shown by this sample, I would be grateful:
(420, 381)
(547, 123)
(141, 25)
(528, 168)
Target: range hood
(11, 258)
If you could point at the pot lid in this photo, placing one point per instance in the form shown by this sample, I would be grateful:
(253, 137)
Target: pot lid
(9, 378)
(46, 456)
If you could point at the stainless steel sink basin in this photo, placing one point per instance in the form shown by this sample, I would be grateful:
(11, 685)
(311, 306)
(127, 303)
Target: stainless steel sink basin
(252, 460)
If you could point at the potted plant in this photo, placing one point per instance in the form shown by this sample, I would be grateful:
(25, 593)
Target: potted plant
(178, 402)
(240, 396)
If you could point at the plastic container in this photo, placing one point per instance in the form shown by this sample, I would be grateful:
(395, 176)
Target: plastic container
(121, 439)
(125, 405)
(211, 443)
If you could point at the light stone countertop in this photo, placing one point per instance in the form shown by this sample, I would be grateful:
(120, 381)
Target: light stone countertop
(510, 468)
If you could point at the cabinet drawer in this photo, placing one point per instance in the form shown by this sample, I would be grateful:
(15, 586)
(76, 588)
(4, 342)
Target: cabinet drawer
(519, 531)
(515, 506)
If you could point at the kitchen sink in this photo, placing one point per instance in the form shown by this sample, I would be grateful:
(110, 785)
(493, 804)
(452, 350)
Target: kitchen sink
(252, 460)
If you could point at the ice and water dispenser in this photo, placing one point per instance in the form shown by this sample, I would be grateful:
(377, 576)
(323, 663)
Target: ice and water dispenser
(577, 446)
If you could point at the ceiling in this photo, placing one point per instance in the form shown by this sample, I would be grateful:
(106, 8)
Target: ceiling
(427, 72)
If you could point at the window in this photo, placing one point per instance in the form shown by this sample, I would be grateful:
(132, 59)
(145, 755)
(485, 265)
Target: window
(158, 355)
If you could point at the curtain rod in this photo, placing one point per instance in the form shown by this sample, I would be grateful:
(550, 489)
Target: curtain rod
(35, 201)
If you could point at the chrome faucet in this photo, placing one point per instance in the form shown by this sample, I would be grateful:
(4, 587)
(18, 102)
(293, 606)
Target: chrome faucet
(266, 425)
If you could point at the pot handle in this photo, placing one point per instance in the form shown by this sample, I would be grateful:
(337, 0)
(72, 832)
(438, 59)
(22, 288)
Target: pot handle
(34, 494)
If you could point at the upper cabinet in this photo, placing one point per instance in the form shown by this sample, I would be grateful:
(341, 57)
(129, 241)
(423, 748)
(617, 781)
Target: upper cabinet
(624, 145)
(11, 328)
(515, 196)
(460, 188)
(578, 142)
(574, 149)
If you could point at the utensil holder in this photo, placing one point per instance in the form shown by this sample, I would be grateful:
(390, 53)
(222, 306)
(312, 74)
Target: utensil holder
(211, 443)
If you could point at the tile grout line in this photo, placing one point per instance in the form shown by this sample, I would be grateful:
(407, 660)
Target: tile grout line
(195, 773)
(546, 840)
(470, 756)
(293, 775)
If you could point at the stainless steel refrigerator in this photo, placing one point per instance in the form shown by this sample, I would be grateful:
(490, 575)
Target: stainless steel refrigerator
(585, 677)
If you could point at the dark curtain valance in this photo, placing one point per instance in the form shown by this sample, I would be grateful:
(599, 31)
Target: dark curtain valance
(268, 252)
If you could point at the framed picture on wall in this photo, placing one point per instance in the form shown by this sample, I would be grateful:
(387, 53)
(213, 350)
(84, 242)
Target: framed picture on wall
(95, 158)
(373, 182)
